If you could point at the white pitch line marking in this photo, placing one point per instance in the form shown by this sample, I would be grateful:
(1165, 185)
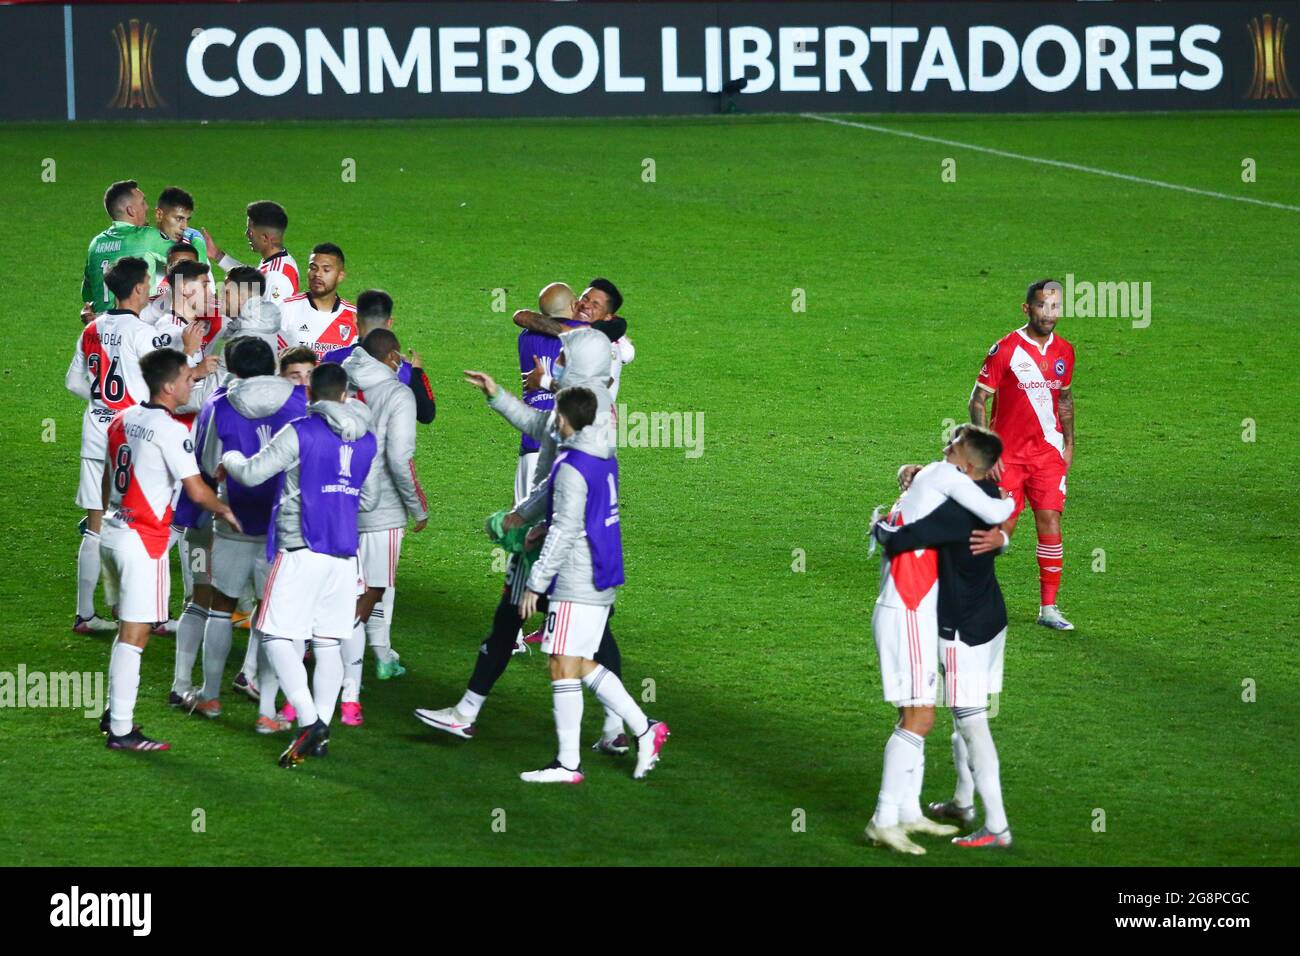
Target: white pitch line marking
(1050, 162)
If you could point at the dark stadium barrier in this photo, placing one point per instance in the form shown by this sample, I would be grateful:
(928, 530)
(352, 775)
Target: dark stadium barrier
(404, 60)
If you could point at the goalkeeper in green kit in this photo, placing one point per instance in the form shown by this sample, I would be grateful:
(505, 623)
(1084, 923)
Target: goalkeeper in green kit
(131, 234)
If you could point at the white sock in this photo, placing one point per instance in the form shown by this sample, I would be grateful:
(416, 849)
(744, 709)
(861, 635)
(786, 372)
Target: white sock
(216, 649)
(379, 627)
(609, 690)
(187, 572)
(354, 655)
(249, 667)
(268, 685)
(123, 686)
(87, 574)
(909, 810)
(963, 795)
(470, 705)
(327, 678)
(900, 757)
(286, 658)
(189, 638)
(567, 698)
(613, 725)
(984, 767)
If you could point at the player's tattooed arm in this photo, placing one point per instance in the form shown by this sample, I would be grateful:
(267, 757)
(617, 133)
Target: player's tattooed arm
(1065, 408)
(979, 406)
(536, 322)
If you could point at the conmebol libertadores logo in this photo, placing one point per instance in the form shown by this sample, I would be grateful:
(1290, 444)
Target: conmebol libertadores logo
(135, 43)
(271, 61)
(1269, 81)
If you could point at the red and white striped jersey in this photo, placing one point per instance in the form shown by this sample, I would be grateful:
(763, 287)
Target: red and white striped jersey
(281, 271)
(911, 579)
(302, 324)
(149, 454)
(174, 325)
(106, 360)
(1026, 380)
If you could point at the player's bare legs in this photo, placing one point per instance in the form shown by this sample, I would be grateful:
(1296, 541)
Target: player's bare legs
(88, 567)
(1050, 554)
(354, 655)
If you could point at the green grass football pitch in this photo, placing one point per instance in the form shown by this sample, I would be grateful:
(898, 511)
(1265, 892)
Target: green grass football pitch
(1180, 534)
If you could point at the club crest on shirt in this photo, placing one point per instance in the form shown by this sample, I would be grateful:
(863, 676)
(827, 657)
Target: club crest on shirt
(344, 333)
(1060, 366)
(189, 447)
(994, 349)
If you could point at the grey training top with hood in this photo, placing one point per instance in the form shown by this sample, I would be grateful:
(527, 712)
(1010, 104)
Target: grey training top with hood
(586, 364)
(566, 556)
(394, 490)
(349, 420)
(255, 397)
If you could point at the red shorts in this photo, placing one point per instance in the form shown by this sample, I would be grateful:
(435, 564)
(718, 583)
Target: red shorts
(1040, 482)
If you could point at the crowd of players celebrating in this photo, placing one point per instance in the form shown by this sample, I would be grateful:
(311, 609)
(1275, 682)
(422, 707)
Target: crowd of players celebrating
(268, 434)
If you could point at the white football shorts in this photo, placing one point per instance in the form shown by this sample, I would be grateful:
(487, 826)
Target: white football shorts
(378, 553)
(195, 549)
(908, 644)
(90, 490)
(524, 475)
(142, 582)
(236, 564)
(971, 674)
(309, 595)
(574, 630)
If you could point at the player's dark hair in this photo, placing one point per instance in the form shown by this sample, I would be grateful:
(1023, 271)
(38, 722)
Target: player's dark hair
(329, 382)
(267, 215)
(160, 367)
(380, 342)
(1031, 294)
(578, 405)
(373, 306)
(298, 355)
(328, 249)
(611, 290)
(173, 197)
(126, 273)
(247, 276)
(983, 447)
(118, 193)
(248, 355)
(182, 248)
(186, 269)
